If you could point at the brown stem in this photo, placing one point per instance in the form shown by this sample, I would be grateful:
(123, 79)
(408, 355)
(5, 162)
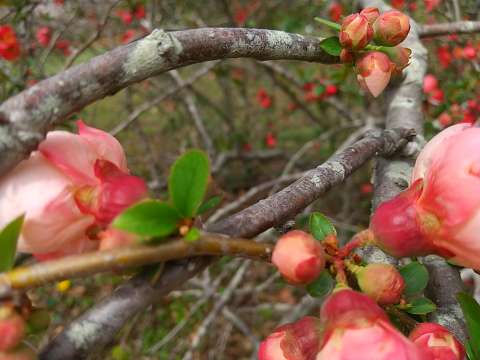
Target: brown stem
(127, 257)
(459, 27)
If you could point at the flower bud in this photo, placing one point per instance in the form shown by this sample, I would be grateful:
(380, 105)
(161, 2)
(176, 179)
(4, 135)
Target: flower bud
(374, 71)
(346, 56)
(299, 257)
(12, 328)
(382, 282)
(391, 28)
(356, 32)
(371, 13)
(357, 328)
(113, 238)
(400, 57)
(437, 342)
(296, 341)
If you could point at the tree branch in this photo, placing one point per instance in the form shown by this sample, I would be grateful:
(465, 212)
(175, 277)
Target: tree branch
(98, 327)
(459, 27)
(26, 117)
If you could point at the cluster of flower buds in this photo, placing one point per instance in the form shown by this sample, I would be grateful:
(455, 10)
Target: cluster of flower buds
(15, 322)
(435, 215)
(353, 326)
(299, 257)
(370, 40)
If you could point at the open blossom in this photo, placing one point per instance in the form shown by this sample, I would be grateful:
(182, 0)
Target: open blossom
(382, 282)
(295, 341)
(439, 213)
(374, 71)
(9, 46)
(299, 257)
(437, 342)
(356, 32)
(391, 28)
(355, 327)
(73, 185)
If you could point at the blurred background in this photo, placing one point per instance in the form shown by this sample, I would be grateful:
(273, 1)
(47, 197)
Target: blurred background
(262, 123)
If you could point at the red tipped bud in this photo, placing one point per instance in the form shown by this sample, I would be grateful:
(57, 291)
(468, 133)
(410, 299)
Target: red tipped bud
(437, 342)
(346, 56)
(356, 32)
(299, 257)
(371, 13)
(400, 57)
(374, 72)
(382, 282)
(391, 28)
(12, 328)
(296, 341)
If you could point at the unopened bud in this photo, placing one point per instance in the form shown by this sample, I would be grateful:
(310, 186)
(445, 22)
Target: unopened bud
(382, 282)
(391, 28)
(299, 257)
(400, 57)
(346, 56)
(371, 13)
(374, 71)
(437, 342)
(356, 32)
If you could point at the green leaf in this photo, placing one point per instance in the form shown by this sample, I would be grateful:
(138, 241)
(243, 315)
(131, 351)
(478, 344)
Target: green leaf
(321, 286)
(471, 310)
(320, 226)
(192, 235)
(331, 45)
(470, 352)
(416, 278)
(188, 182)
(149, 218)
(209, 204)
(8, 243)
(421, 306)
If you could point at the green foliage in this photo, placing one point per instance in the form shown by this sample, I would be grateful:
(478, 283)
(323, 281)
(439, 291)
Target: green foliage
(331, 45)
(421, 306)
(192, 235)
(119, 352)
(321, 286)
(209, 204)
(320, 226)
(8, 243)
(471, 310)
(188, 181)
(149, 218)
(416, 278)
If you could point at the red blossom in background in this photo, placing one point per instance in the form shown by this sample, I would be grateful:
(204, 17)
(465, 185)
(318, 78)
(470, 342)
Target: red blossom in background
(366, 188)
(398, 4)
(125, 15)
(64, 46)
(43, 35)
(263, 99)
(139, 12)
(240, 16)
(9, 46)
(335, 11)
(270, 140)
(444, 56)
(127, 36)
(431, 4)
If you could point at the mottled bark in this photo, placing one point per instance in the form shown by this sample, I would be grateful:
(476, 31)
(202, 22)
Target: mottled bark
(26, 117)
(99, 326)
(459, 27)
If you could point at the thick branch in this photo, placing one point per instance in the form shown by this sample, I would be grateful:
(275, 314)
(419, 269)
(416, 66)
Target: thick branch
(128, 257)
(26, 117)
(98, 327)
(459, 27)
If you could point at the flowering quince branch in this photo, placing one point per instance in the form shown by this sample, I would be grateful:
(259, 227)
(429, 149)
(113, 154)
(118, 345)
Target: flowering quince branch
(128, 257)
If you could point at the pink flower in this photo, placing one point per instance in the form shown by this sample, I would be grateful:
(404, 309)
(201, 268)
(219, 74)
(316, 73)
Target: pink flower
(444, 56)
(382, 282)
(263, 98)
(127, 36)
(438, 214)
(12, 328)
(125, 15)
(430, 83)
(335, 11)
(72, 185)
(391, 28)
(43, 35)
(355, 327)
(374, 72)
(356, 32)
(298, 257)
(437, 342)
(469, 52)
(9, 46)
(430, 5)
(295, 341)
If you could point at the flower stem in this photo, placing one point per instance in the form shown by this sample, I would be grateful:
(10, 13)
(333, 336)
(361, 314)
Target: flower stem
(128, 257)
(360, 239)
(330, 24)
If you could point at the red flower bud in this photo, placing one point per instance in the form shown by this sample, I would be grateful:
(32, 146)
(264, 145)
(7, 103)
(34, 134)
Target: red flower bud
(371, 13)
(12, 328)
(374, 72)
(400, 57)
(437, 342)
(430, 83)
(299, 257)
(382, 282)
(346, 56)
(391, 28)
(9, 46)
(296, 341)
(356, 32)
